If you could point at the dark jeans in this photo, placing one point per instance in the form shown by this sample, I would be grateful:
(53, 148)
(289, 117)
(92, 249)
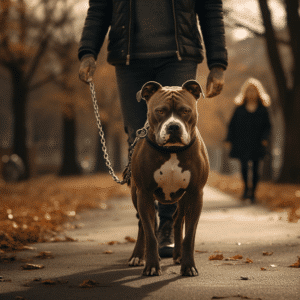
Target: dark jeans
(130, 79)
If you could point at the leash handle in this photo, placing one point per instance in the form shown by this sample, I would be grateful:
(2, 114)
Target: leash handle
(140, 133)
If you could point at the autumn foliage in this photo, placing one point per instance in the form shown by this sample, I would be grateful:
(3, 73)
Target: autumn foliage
(36, 210)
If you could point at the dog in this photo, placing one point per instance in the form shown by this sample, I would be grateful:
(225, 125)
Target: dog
(170, 165)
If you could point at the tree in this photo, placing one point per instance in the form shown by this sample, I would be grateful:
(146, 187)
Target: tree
(287, 80)
(28, 50)
(289, 95)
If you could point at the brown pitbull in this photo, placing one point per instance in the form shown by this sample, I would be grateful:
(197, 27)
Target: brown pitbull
(170, 165)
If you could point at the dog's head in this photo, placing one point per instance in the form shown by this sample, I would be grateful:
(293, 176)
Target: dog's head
(172, 111)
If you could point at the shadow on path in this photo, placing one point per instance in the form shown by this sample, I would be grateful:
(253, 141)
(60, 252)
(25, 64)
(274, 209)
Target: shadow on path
(113, 282)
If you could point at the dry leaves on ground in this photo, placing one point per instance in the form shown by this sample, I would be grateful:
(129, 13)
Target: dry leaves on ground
(296, 264)
(88, 283)
(112, 243)
(275, 196)
(36, 210)
(266, 253)
(130, 239)
(216, 257)
(236, 257)
(44, 255)
(32, 267)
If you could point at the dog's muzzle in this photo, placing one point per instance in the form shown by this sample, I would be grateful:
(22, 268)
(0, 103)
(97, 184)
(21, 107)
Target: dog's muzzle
(173, 133)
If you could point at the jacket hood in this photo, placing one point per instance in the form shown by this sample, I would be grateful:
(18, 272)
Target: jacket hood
(263, 96)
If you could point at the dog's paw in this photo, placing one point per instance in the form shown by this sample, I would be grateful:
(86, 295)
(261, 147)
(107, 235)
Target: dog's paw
(189, 271)
(136, 261)
(152, 271)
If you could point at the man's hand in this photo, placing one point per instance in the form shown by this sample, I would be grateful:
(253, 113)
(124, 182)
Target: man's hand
(215, 82)
(87, 68)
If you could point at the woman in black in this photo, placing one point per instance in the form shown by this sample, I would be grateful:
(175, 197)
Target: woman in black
(249, 131)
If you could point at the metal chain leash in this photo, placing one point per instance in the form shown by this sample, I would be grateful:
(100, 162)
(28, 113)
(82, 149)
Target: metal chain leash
(141, 133)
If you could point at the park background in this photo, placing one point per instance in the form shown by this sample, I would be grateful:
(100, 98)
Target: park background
(47, 118)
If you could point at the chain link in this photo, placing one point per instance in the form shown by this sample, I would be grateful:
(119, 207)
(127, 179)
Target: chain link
(140, 133)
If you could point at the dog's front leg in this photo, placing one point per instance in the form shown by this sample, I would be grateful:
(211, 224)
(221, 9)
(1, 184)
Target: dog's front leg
(192, 213)
(146, 209)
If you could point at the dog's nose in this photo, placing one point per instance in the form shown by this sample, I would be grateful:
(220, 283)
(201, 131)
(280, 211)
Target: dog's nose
(173, 128)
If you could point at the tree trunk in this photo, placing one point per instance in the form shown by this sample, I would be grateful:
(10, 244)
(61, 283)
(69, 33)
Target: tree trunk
(291, 159)
(69, 162)
(19, 101)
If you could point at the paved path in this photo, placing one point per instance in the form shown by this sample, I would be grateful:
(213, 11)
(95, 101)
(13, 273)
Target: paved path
(225, 225)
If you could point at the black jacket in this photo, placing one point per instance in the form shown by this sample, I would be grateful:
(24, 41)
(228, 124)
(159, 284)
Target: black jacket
(118, 14)
(247, 131)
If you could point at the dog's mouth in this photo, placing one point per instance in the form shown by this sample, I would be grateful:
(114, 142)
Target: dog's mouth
(174, 141)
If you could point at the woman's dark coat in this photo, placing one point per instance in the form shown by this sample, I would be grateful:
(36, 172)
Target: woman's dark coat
(118, 16)
(246, 132)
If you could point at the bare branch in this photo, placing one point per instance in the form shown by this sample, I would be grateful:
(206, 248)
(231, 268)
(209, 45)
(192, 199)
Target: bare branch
(42, 82)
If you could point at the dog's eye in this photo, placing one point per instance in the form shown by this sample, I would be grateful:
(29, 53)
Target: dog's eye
(185, 112)
(160, 111)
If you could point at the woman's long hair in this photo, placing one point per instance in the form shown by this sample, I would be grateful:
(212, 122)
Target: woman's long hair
(263, 97)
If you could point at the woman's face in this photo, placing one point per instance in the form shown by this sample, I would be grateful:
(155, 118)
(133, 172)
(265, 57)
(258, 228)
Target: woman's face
(252, 94)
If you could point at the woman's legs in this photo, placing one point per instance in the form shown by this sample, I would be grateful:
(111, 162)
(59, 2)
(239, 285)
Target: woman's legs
(255, 179)
(245, 170)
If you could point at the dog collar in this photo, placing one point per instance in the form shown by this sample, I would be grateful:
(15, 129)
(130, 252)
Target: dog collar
(174, 149)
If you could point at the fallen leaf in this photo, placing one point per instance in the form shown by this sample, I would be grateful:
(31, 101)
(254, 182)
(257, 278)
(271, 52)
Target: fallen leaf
(112, 242)
(88, 284)
(107, 252)
(32, 267)
(199, 251)
(273, 266)
(265, 253)
(44, 255)
(236, 257)
(130, 239)
(263, 269)
(216, 257)
(296, 264)
(249, 261)
(29, 248)
(49, 282)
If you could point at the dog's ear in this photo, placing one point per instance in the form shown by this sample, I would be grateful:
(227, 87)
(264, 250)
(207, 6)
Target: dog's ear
(148, 89)
(194, 88)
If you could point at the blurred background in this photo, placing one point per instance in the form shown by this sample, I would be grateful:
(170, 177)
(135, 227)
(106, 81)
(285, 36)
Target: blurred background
(46, 112)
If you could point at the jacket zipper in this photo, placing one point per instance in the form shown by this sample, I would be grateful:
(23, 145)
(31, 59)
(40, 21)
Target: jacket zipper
(176, 33)
(129, 33)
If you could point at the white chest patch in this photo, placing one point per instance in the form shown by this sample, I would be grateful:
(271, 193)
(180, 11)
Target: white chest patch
(170, 177)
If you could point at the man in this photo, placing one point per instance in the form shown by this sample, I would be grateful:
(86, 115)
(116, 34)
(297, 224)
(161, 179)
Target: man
(156, 40)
